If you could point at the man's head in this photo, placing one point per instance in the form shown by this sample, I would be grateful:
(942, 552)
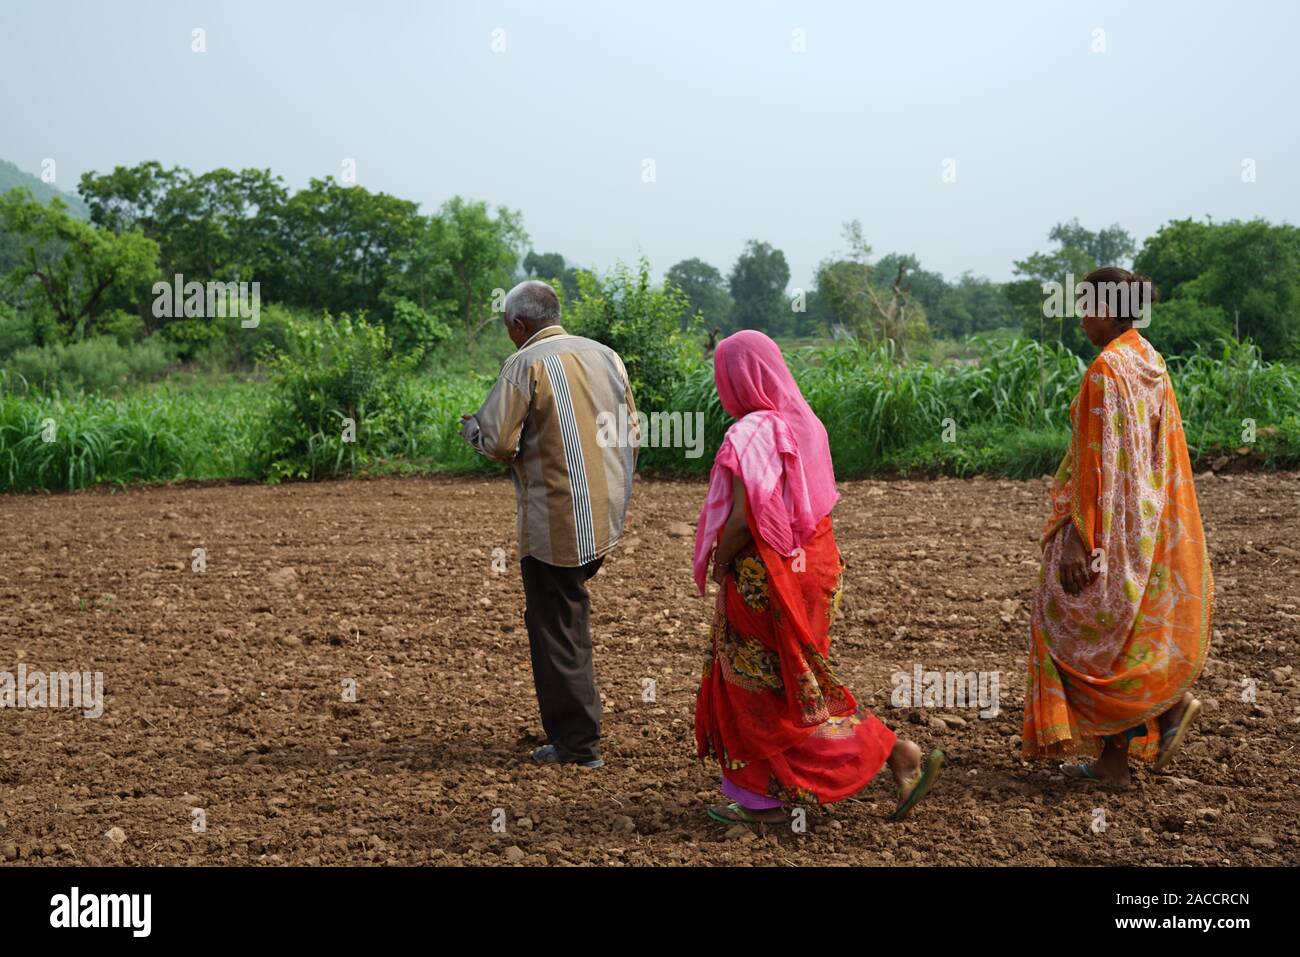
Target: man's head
(530, 306)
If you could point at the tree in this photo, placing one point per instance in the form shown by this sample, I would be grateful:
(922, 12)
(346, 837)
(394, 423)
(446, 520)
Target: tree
(842, 292)
(224, 225)
(705, 290)
(550, 267)
(220, 225)
(1076, 255)
(129, 197)
(339, 245)
(1249, 270)
(69, 270)
(1030, 303)
(482, 253)
(640, 322)
(328, 246)
(984, 301)
(11, 248)
(420, 276)
(1112, 246)
(1178, 252)
(758, 281)
(945, 309)
(1181, 325)
(875, 306)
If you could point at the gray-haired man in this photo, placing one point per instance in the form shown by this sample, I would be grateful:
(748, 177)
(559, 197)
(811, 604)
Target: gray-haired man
(571, 495)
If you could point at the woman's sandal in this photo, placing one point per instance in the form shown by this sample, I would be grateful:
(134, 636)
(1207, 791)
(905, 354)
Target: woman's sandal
(1171, 740)
(929, 775)
(1083, 772)
(733, 813)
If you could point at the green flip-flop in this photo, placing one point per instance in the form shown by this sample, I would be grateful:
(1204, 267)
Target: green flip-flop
(739, 816)
(929, 775)
(1176, 735)
(1080, 772)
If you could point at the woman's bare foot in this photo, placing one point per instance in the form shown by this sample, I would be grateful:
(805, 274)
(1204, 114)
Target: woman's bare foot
(1111, 768)
(905, 764)
(915, 777)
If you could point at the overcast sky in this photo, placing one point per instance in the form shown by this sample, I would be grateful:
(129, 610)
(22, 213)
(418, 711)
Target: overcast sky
(749, 138)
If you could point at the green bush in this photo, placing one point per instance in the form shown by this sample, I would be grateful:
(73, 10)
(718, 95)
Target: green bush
(100, 364)
(190, 336)
(125, 327)
(1182, 326)
(225, 343)
(17, 330)
(338, 400)
(641, 323)
(483, 355)
(232, 346)
(39, 367)
(414, 329)
(1221, 388)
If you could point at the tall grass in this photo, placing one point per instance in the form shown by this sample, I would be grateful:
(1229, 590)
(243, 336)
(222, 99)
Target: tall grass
(1221, 388)
(203, 430)
(53, 442)
(1006, 414)
(882, 414)
(431, 433)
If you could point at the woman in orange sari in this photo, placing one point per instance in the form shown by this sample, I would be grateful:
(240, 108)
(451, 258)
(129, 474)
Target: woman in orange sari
(771, 709)
(1121, 618)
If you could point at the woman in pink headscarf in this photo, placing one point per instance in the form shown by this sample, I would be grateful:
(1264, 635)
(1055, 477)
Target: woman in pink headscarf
(771, 710)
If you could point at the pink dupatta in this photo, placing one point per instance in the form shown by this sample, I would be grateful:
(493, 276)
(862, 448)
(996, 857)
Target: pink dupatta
(778, 448)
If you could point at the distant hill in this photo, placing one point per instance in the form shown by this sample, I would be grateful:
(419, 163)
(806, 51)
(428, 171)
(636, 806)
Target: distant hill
(11, 176)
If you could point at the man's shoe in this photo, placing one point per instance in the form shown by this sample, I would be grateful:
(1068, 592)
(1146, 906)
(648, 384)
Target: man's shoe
(549, 754)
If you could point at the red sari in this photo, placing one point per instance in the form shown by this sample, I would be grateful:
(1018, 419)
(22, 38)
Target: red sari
(771, 709)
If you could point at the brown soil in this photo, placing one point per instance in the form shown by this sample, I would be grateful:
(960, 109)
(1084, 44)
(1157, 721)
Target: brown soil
(224, 687)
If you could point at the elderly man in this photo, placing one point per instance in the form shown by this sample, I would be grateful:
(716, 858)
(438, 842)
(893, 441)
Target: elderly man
(571, 495)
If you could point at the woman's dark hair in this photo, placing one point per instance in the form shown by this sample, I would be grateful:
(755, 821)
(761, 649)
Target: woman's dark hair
(1127, 295)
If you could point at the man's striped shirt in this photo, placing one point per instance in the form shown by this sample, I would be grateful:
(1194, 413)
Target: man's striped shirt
(543, 416)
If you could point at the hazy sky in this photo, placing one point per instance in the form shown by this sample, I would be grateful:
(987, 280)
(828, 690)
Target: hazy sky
(749, 139)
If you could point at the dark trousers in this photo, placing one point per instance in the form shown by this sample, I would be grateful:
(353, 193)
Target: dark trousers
(558, 615)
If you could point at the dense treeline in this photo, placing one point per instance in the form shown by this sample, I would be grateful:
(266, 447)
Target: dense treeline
(328, 247)
(1232, 280)
(432, 278)
(376, 328)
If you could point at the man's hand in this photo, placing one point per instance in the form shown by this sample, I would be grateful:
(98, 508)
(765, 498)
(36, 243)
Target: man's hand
(1074, 571)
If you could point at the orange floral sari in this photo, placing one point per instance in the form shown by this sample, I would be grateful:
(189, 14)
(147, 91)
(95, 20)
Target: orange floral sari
(1125, 649)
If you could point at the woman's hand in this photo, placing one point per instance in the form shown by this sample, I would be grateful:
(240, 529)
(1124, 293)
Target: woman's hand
(720, 572)
(1074, 571)
(735, 533)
